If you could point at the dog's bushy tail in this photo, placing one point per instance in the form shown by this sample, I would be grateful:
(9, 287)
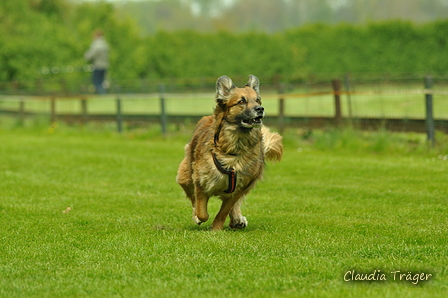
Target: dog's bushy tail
(273, 146)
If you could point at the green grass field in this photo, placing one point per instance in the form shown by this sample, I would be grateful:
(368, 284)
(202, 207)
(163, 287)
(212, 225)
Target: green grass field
(338, 202)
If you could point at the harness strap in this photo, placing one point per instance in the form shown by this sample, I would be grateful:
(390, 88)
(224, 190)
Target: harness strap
(230, 172)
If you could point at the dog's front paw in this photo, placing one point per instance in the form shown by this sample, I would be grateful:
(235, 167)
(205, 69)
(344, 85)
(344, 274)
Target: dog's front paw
(196, 220)
(238, 223)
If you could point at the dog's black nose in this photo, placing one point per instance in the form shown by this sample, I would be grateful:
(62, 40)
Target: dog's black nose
(259, 109)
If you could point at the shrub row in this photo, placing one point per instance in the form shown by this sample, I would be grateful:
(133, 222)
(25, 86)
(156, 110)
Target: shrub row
(35, 37)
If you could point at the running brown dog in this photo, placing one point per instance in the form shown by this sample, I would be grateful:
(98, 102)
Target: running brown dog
(226, 155)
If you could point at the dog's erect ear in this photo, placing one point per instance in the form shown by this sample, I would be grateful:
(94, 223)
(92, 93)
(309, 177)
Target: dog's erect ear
(254, 83)
(223, 87)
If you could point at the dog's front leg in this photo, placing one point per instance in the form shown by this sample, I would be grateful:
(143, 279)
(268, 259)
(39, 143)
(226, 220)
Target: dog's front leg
(227, 205)
(200, 213)
(237, 220)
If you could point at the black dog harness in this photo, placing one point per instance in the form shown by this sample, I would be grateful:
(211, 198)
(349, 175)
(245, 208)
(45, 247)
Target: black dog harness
(230, 172)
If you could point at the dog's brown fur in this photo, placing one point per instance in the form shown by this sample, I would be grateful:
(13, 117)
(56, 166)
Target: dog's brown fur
(236, 135)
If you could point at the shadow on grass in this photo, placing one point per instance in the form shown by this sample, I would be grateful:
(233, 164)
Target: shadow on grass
(207, 228)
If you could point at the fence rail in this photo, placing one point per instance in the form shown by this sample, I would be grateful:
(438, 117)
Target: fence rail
(309, 109)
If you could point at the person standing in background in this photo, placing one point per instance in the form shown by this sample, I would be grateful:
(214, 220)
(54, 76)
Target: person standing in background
(98, 55)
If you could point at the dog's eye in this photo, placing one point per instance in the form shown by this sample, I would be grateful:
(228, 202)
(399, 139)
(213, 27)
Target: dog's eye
(242, 101)
(259, 101)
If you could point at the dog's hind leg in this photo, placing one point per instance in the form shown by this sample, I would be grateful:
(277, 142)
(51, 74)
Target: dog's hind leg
(237, 220)
(184, 178)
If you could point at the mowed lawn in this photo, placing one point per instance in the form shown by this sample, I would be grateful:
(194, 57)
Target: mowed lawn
(319, 219)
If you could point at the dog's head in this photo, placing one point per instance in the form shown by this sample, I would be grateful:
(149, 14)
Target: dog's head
(239, 106)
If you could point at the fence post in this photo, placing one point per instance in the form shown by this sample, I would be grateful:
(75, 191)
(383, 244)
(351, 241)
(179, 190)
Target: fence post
(349, 98)
(281, 109)
(119, 116)
(429, 110)
(163, 116)
(83, 111)
(336, 83)
(21, 112)
(53, 110)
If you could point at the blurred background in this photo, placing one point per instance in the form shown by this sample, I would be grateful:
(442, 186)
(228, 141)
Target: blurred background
(381, 51)
(192, 42)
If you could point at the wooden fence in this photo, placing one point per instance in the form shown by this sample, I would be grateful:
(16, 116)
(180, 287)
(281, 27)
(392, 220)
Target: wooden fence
(282, 120)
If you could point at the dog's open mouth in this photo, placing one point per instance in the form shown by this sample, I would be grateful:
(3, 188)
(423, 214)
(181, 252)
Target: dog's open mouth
(254, 122)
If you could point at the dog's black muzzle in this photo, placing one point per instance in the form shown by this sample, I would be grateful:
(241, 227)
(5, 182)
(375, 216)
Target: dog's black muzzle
(253, 119)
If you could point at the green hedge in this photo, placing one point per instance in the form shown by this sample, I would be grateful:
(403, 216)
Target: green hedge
(389, 47)
(35, 34)
(393, 47)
